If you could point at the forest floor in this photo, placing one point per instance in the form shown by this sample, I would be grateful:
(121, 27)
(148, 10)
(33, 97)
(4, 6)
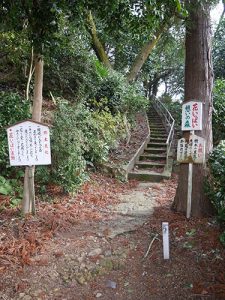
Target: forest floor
(95, 245)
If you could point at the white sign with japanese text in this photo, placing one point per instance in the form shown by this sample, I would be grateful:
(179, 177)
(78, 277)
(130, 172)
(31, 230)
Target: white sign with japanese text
(192, 116)
(192, 151)
(29, 144)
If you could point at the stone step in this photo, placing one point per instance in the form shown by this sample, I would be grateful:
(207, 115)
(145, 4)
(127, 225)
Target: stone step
(160, 136)
(155, 150)
(156, 127)
(156, 144)
(151, 165)
(157, 140)
(153, 114)
(148, 164)
(144, 175)
(156, 132)
(155, 121)
(146, 156)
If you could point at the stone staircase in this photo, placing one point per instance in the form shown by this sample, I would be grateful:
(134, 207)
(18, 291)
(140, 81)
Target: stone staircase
(151, 164)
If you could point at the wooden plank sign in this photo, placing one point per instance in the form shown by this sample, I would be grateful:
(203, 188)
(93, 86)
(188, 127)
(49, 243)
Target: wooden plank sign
(29, 144)
(192, 151)
(192, 116)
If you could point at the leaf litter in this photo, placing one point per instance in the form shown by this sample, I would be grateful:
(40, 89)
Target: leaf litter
(195, 270)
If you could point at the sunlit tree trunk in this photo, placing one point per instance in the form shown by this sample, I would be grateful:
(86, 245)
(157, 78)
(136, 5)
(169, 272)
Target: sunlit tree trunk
(198, 85)
(28, 204)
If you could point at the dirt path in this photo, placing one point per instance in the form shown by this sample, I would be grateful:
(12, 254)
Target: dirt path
(103, 257)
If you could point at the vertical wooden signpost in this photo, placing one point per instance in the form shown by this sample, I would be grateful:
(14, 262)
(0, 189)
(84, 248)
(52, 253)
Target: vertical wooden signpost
(29, 145)
(191, 151)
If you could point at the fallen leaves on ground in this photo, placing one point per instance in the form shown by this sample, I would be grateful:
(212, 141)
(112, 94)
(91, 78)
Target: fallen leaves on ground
(21, 239)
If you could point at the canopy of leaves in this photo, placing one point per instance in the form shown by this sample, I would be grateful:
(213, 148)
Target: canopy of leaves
(166, 63)
(219, 111)
(219, 51)
(124, 25)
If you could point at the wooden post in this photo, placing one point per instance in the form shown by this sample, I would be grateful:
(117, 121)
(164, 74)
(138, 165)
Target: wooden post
(29, 203)
(190, 172)
(31, 189)
(189, 193)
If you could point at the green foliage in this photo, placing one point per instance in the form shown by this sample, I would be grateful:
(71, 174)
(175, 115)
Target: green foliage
(115, 94)
(101, 70)
(13, 108)
(166, 63)
(219, 51)
(174, 107)
(68, 163)
(13, 189)
(125, 26)
(71, 71)
(215, 184)
(5, 186)
(15, 14)
(222, 238)
(80, 138)
(219, 111)
(14, 49)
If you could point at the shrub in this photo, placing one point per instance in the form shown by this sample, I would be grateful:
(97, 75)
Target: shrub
(13, 189)
(215, 185)
(115, 94)
(219, 111)
(80, 137)
(70, 70)
(13, 108)
(68, 163)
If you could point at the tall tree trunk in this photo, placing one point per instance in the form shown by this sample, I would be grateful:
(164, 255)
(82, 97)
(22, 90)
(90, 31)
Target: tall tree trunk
(28, 204)
(96, 43)
(198, 85)
(144, 54)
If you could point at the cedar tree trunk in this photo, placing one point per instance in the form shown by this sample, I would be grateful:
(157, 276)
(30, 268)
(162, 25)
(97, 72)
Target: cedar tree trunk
(198, 86)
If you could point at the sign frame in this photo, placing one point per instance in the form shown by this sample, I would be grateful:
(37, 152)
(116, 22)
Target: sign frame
(192, 115)
(29, 143)
(192, 151)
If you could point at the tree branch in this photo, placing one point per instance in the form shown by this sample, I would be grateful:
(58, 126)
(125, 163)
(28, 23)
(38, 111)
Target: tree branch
(96, 43)
(144, 53)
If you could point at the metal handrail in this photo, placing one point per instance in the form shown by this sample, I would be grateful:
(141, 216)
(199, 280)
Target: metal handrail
(168, 122)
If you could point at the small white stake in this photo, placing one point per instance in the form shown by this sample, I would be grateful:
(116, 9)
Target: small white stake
(165, 232)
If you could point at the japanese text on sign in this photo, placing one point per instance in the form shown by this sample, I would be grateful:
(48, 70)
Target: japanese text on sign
(29, 144)
(192, 151)
(192, 116)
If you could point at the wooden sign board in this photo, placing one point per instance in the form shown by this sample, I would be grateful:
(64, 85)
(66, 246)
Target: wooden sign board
(192, 116)
(29, 144)
(192, 151)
